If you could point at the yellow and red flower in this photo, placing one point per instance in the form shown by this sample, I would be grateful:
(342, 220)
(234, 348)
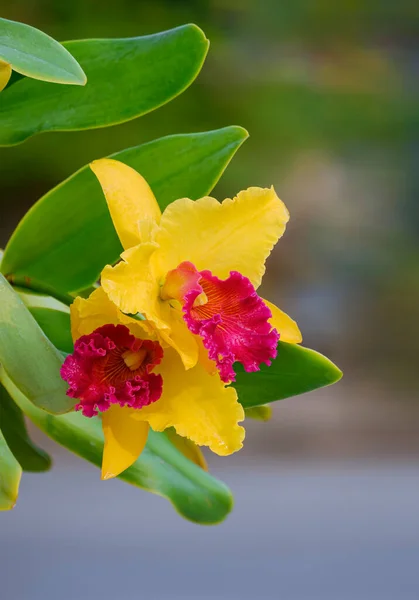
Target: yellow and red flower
(119, 369)
(185, 296)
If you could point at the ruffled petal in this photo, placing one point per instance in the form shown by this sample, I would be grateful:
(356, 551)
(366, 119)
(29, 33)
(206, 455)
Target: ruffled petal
(235, 235)
(87, 314)
(287, 328)
(233, 322)
(5, 73)
(112, 366)
(199, 406)
(130, 200)
(125, 438)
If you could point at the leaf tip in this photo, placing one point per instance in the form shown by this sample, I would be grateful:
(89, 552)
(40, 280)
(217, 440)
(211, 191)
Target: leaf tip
(200, 31)
(334, 373)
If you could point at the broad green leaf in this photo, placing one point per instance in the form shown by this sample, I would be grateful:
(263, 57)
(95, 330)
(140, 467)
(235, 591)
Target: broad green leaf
(13, 428)
(51, 315)
(127, 78)
(161, 468)
(35, 54)
(10, 474)
(30, 359)
(294, 371)
(259, 413)
(68, 237)
(5, 74)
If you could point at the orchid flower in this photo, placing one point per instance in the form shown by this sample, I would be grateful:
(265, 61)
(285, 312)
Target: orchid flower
(156, 343)
(193, 271)
(119, 370)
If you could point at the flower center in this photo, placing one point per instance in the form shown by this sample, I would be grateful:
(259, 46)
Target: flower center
(134, 360)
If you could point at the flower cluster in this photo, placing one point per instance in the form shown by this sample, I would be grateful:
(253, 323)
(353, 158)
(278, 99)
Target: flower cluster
(156, 343)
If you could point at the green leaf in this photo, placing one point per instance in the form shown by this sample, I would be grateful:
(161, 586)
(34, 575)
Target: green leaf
(127, 78)
(35, 54)
(13, 428)
(69, 253)
(30, 359)
(161, 468)
(10, 474)
(295, 370)
(52, 316)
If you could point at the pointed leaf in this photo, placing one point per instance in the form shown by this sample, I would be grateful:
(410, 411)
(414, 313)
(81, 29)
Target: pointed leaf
(127, 78)
(27, 355)
(13, 428)
(10, 474)
(35, 54)
(161, 468)
(295, 370)
(50, 248)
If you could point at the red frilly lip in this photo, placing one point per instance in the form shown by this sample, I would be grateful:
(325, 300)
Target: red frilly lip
(99, 376)
(232, 320)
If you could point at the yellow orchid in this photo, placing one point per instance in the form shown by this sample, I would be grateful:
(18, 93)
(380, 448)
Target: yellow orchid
(174, 263)
(156, 344)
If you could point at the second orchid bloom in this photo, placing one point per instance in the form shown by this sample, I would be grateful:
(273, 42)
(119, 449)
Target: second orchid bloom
(155, 345)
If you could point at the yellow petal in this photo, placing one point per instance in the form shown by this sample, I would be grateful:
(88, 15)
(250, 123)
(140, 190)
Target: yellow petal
(5, 73)
(87, 314)
(187, 448)
(178, 336)
(125, 438)
(130, 200)
(286, 327)
(198, 405)
(236, 234)
(131, 286)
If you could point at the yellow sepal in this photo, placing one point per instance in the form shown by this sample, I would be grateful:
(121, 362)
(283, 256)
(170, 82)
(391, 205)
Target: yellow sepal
(133, 207)
(286, 327)
(125, 438)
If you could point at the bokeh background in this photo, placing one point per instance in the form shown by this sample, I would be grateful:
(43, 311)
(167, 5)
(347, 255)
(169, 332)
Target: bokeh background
(327, 492)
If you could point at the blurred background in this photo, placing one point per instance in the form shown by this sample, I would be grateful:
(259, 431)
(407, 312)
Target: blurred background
(326, 492)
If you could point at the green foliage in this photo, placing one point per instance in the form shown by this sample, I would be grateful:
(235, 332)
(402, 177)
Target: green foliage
(29, 358)
(10, 474)
(51, 315)
(295, 370)
(127, 78)
(35, 54)
(13, 428)
(65, 240)
(52, 249)
(161, 468)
